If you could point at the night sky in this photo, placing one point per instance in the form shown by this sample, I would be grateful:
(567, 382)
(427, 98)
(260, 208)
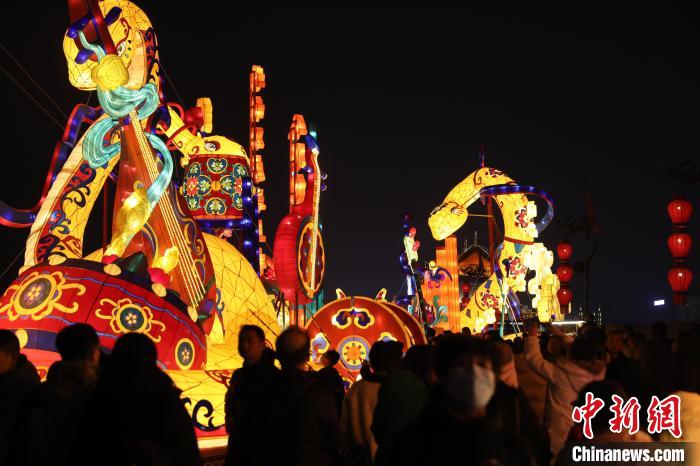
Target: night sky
(401, 100)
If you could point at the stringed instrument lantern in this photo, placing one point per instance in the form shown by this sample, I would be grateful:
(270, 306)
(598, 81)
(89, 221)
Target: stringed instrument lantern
(299, 252)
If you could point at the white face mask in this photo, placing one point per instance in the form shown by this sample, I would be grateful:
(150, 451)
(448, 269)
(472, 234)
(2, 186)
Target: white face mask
(470, 389)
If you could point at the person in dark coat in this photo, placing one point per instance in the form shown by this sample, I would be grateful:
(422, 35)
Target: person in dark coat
(403, 393)
(296, 421)
(52, 410)
(136, 415)
(456, 414)
(330, 378)
(257, 373)
(18, 377)
(658, 359)
(627, 372)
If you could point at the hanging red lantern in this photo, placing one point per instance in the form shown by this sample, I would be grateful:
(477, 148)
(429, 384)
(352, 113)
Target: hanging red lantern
(680, 279)
(679, 244)
(564, 296)
(564, 251)
(565, 272)
(680, 211)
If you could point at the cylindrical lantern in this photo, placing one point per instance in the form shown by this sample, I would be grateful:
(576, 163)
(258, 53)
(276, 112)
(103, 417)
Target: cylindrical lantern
(680, 211)
(564, 250)
(679, 244)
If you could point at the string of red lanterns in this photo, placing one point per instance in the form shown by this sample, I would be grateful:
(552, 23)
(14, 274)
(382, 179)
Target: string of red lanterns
(679, 243)
(565, 272)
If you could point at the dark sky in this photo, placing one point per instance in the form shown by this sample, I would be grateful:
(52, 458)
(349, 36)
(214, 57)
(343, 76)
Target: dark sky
(401, 100)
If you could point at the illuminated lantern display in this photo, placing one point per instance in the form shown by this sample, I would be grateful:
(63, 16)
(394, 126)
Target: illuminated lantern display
(256, 144)
(298, 252)
(680, 211)
(441, 287)
(679, 243)
(565, 273)
(39, 302)
(213, 183)
(564, 296)
(412, 300)
(517, 255)
(680, 279)
(564, 251)
(165, 269)
(351, 324)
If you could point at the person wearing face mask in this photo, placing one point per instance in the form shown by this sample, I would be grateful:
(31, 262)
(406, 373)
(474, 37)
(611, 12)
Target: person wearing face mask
(456, 413)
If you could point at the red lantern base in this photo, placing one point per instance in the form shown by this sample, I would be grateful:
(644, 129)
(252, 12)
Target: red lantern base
(680, 299)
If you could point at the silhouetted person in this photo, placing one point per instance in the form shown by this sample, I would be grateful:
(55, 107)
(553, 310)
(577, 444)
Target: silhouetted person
(18, 377)
(298, 420)
(688, 386)
(330, 378)
(51, 412)
(257, 373)
(613, 345)
(658, 359)
(430, 334)
(258, 369)
(627, 372)
(136, 415)
(466, 331)
(403, 394)
(456, 414)
(361, 400)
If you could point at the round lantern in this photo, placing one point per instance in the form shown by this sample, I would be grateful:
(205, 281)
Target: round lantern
(679, 244)
(564, 296)
(350, 325)
(565, 272)
(680, 279)
(564, 250)
(680, 211)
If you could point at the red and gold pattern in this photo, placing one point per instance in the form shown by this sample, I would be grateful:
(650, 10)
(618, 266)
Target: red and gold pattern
(81, 292)
(350, 325)
(126, 316)
(38, 294)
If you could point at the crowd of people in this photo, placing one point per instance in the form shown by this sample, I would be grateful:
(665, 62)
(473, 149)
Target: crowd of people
(460, 396)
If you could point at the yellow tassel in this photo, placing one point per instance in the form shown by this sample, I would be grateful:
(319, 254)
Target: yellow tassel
(168, 261)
